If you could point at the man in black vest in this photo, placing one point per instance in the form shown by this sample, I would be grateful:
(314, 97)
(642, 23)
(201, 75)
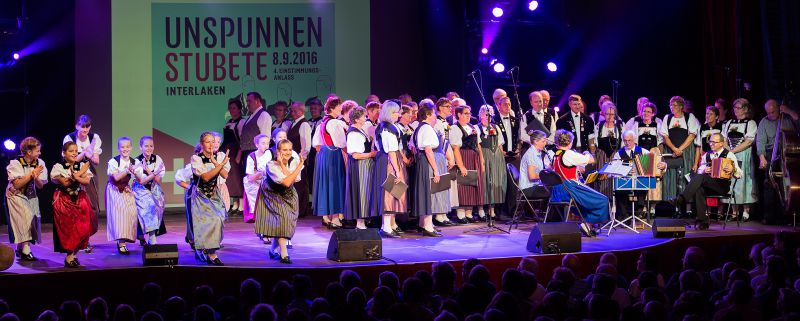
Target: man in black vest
(626, 155)
(703, 184)
(259, 122)
(538, 112)
(578, 124)
(508, 125)
(300, 135)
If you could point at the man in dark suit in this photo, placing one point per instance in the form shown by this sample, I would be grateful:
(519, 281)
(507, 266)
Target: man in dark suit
(508, 124)
(578, 124)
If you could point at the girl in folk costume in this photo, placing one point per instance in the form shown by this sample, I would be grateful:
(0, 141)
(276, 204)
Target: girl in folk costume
(740, 133)
(710, 127)
(494, 161)
(208, 209)
(360, 163)
(72, 211)
(567, 163)
(89, 150)
(609, 140)
(277, 209)
(430, 165)
(678, 130)
(223, 175)
(329, 172)
(255, 165)
(149, 171)
(465, 141)
(183, 178)
(26, 174)
(121, 214)
(389, 161)
(230, 141)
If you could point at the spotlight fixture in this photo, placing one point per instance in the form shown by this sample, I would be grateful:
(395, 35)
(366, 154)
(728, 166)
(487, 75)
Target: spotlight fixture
(15, 56)
(499, 67)
(9, 145)
(551, 66)
(533, 5)
(497, 12)
(484, 51)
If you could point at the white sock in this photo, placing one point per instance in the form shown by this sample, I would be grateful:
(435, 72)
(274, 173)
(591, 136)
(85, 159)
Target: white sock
(152, 238)
(481, 213)
(468, 213)
(360, 224)
(460, 213)
(26, 248)
(491, 211)
(387, 224)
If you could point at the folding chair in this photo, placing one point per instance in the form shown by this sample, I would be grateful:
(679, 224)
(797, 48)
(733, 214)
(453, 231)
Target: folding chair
(731, 200)
(514, 173)
(550, 179)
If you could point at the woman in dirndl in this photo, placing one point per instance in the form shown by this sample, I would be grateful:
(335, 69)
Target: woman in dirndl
(230, 141)
(149, 170)
(277, 209)
(469, 157)
(330, 139)
(121, 214)
(740, 133)
(26, 174)
(494, 161)
(208, 209)
(360, 163)
(430, 165)
(72, 210)
(388, 162)
(678, 131)
(567, 163)
(609, 137)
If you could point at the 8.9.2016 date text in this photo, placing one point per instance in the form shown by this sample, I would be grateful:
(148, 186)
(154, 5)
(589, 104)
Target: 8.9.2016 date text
(294, 58)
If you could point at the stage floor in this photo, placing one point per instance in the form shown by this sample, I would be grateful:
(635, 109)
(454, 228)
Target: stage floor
(243, 249)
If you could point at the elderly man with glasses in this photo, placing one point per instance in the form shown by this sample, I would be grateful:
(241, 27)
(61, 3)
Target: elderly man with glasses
(627, 154)
(703, 184)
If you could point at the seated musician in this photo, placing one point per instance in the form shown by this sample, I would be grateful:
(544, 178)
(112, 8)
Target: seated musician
(626, 155)
(703, 184)
(593, 205)
(533, 161)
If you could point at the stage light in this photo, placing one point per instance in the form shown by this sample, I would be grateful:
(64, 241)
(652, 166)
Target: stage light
(484, 51)
(9, 145)
(498, 68)
(557, 109)
(15, 56)
(533, 5)
(552, 66)
(497, 12)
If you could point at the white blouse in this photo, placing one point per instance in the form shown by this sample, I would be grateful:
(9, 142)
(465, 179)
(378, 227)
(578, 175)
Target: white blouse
(262, 161)
(16, 170)
(157, 167)
(60, 171)
(227, 167)
(116, 168)
(748, 128)
(82, 144)
(633, 125)
(688, 121)
(389, 140)
(456, 136)
(276, 174)
(427, 137)
(355, 142)
(184, 175)
(337, 130)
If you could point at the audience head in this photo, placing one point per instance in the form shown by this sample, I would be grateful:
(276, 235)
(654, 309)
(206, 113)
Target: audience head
(444, 278)
(389, 280)
(174, 308)
(281, 293)
(349, 279)
(124, 312)
(263, 312)
(529, 264)
(70, 311)
(250, 292)
(694, 258)
(47, 315)
(570, 261)
(204, 312)
(151, 316)
(97, 310)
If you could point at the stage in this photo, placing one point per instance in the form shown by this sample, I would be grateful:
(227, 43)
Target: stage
(241, 248)
(118, 278)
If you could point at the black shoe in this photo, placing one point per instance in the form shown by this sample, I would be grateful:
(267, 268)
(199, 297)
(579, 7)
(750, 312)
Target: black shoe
(286, 260)
(438, 223)
(388, 235)
(26, 257)
(289, 245)
(398, 231)
(141, 242)
(448, 223)
(462, 221)
(703, 226)
(199, 257)
(123, 250)
(71, 264)
(481, 219)
(273, 255)
(431, 233)
(215, 262)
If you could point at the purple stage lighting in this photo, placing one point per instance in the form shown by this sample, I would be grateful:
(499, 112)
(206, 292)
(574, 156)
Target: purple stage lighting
(9, 145)
(533, 5)
(552, 66)
(557, 109)
(497, 12)
(498, 68)
(15, 55)
(484, 51)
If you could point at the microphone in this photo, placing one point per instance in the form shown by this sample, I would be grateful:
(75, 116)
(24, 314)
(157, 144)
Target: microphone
(512, 69)
(472, 73)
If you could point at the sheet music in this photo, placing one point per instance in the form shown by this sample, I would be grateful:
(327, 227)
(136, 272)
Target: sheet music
(616, 168)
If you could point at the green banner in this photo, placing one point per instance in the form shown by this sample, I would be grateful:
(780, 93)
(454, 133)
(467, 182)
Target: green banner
(204, 54)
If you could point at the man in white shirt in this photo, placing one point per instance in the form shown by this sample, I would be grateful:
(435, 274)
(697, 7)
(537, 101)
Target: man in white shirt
(259, 122)
(578, 124)
(703, 184)
(538, 112)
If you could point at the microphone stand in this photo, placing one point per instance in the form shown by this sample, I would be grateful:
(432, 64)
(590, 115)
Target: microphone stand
(515, 84)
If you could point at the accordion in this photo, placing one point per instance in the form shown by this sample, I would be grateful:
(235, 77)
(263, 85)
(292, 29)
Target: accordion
(647, 164)
(716, 167)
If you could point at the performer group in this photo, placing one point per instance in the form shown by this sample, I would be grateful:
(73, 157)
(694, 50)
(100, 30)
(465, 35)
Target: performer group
(439, 162)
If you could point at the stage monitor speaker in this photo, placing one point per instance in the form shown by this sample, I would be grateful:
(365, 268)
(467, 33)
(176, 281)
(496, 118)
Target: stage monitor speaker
(668, 228)
(160, 254)
(665, 209)
(355, 245)
(554, 238)
(6, 257)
